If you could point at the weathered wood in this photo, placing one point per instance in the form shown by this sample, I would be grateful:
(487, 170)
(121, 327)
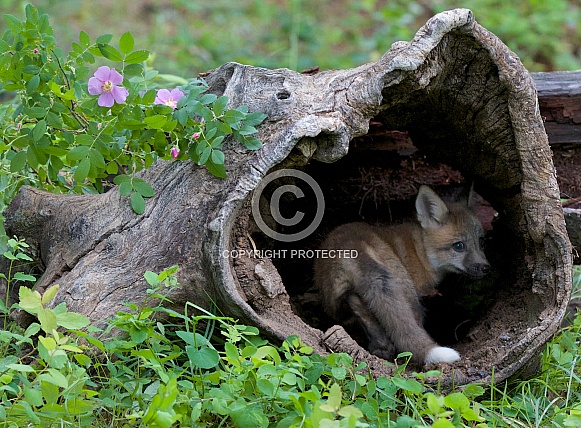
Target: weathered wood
(464, 99)
(559, 95)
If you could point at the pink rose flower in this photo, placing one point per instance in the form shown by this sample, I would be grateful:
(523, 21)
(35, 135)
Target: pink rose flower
(169, 98)
(104, 82)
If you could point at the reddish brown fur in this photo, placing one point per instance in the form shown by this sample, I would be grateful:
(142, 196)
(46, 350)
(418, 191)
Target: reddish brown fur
(395, 266)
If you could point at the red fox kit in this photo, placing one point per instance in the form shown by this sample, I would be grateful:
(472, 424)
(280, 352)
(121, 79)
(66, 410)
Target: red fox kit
(395, 266)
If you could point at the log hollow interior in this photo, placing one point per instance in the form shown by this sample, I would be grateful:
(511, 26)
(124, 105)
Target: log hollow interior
(377, 182)
(466, 114)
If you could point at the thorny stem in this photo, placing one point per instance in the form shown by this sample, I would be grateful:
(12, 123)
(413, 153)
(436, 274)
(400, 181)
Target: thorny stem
(82, 121)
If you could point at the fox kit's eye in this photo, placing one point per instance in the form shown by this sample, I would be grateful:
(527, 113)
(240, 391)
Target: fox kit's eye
(458, 246)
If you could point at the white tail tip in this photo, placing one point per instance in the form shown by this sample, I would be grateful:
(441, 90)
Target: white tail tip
(441, 354)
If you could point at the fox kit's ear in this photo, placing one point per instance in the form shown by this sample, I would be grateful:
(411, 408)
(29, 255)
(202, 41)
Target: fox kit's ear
(472, 197)
(432, 211)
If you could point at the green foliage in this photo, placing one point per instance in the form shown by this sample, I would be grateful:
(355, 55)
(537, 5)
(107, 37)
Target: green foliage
(16, 254)
(203, 370)
(190, 37)
(57, 136)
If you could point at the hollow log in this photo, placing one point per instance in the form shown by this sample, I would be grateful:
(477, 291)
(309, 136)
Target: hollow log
(470, 109)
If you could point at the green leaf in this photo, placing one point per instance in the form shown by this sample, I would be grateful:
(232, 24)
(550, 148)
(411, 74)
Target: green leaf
(47, 319)
(137, 203)
(217, 142)
(133, 70)
(457, 401)
(473, 390)
(29, 300)
(217, 157)
(33, 83)
(39, 130)
(205, 155)
(54, 120)
(31, 69)
(31, 13)
(143, 188)
(18, 161)
(84, 39)
(255, 118)
(125, 188)
(410, 385)
(111, 53)
(14, 23)
(78, 153)
(252, 143)
(55, 377)
(434, 403)
(35, 112)
(138, 335)
(155, 122)
(33, 396)
(137, 57)
(217, 170)
(121, 179)
(443, 423)
(49, 294)
(72, 320)
(220, 105)
(233, 116)
(104, 39)
(126, 43)
(247, 130)
(112, 168)
(151, 278)
(20, 368)
(82, 170)
(204, 357)
(23, 277)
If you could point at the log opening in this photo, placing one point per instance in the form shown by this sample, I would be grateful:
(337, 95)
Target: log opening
(470, 110)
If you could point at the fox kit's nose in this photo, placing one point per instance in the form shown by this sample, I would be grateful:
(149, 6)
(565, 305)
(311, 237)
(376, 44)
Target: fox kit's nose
(481, 269)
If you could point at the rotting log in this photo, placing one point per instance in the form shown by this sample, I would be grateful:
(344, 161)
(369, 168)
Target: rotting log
(468, 105)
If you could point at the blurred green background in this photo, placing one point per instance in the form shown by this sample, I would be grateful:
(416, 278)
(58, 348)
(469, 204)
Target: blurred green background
(189, 36)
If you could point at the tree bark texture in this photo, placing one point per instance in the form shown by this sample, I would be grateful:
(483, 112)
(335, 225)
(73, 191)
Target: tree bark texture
(467, 103)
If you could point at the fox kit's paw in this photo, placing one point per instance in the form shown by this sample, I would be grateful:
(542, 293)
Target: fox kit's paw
(441, 354)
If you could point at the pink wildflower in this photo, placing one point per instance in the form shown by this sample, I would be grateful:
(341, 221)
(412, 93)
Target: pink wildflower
(169, 98)
(196, 135)
(104, 82)
(175, 152)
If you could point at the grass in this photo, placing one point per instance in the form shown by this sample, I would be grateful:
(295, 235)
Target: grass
(205, 370)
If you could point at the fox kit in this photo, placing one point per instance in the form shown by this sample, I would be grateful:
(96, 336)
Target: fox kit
(394, 267)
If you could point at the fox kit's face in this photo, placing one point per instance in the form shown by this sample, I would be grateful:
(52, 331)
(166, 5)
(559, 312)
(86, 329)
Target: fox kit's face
(452, 235)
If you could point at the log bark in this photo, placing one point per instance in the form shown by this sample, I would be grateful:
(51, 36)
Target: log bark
(467, 103)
